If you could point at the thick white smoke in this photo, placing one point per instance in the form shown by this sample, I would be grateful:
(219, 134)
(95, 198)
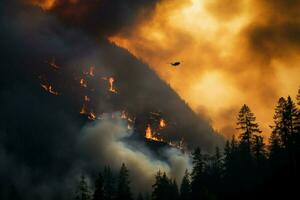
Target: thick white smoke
(104, 140)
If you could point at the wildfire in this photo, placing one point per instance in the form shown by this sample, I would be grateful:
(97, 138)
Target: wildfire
(150, 135)
(83, 83)
(49, 89)
(83, 110)
(162, 123)
(111, 81)
(92, 71)
(87, 98)
(92, 116)
(53, 64)
(123, 115)
(44, 4)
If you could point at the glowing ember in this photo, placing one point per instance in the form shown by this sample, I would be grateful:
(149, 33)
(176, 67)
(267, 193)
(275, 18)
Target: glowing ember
(84, 110)
(111, 81)
(150, 135)
(44, 4)
(92, 116)
(87, 98)
(162, 123)
(83, 83)
(49, 89)
(148, 132)
(92, 71)
(53, 64)
(123, 115)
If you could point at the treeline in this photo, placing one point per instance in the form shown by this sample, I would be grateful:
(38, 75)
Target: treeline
(247, 168)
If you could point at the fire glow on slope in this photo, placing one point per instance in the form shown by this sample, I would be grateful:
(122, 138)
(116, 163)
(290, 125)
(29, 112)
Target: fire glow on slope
(231, 51)
(88, 107)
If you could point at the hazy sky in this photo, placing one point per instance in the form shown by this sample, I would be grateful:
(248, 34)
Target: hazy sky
(232, 52)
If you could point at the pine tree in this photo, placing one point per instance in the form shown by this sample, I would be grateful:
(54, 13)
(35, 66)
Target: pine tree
(83, 191)
(217, 164)
(233, 145)
(109, 184)
(99, 188)
(297, 135)
(275, 148)
(298, 97)
(227, 156)
(140, 197)
(198, 164)
(174, 193)
(185, 188)
(280, 127)
(248, 127)
(164, 188)
(244, 167)
(124, 192)
(229, 153)
(197, 175)
(259, 150)
(293, 122)
(286, 123)
(13, 194)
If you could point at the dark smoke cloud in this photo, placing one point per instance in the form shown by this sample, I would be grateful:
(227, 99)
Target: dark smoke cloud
(102, 17)
(275, 28)
(40, 134)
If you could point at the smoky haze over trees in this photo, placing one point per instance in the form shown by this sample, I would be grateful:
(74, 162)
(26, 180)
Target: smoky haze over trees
(247, 168)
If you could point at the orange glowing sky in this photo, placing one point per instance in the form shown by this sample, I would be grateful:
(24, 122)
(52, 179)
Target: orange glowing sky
(232, 52)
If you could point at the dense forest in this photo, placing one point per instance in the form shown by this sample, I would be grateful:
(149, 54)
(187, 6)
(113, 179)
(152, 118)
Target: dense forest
(247, 167)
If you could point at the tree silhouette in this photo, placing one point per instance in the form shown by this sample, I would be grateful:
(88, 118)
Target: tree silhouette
(198, 188)
(259, 150)
(217, 165)
(174, 193)
(99, 188)
(109, 183)
(298, 97)
(124, 192)
(248, 127)
(275, 149)
(185, 188)
(164, 188)
(83, 191)
(13, 193)
(140, 197)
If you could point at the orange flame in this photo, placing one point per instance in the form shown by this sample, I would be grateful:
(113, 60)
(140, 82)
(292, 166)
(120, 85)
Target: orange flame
(92, 71)
(148, 132)
(87, 98)
(111, 81)
(150, 135)
(92, 116)
(83, 83)
(49, 89)
(162, 123)
(83, 110)
(124, 115)
(44, 4)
